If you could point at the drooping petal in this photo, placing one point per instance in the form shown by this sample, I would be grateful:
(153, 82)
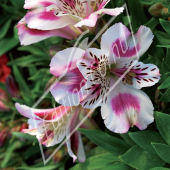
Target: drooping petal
(48, 125)
(45, 114)
(113, 12)
(127, 106)
(123, 45)
(145, 74)
(74, 142)
(43, 19)
(70, 80)
(89, 21)
(29, 36)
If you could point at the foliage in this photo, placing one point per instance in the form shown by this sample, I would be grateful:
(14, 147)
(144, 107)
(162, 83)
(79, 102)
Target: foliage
(143, 150)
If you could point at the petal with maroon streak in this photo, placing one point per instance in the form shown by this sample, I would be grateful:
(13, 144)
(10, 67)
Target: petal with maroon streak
(146, 74)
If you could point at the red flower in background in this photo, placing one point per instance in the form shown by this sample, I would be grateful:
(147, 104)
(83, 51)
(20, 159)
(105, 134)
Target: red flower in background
(4, 72)
(4, 69)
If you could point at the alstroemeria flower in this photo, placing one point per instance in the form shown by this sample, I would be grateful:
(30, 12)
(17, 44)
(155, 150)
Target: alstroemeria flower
(114, 78)
(70, 80)
(29, 36)
(51, 126)
(55, 14)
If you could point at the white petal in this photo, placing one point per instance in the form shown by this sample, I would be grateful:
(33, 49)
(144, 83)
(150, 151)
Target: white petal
(127, 107)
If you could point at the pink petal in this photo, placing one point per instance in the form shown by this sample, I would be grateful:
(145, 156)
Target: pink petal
(29, 36)
(45, 114)
(122, 44)
(127, 107)
(89, 21)
(43, 19)
(74, 143)
(29, 4)
(70, 80)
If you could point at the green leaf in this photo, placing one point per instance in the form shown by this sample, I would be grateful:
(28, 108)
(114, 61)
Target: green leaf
(166, 25)
(140, 159)
(4, 28)
(114, 145)
(145, 138)
(7, 44)
(166, 96)
(164, 69)
(20, 80)
(49, 167)
(24, 136)
(96, 162)
(163, 125)
(128, 140)
(159, 168)
(117, 166)
(165, 84)
(163, 151)
(9, 152)
(138, 16)
(34, 50)
(26, 61)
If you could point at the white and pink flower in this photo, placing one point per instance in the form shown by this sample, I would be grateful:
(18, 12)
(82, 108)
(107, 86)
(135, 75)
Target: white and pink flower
(114, 77)
(55, 14)
(51, 126)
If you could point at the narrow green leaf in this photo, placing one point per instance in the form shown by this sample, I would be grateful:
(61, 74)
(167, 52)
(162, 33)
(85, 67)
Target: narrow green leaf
(163, 151)
(163, 125)
(117, 166)
(114, 145)
(145, 138)
(24, 136)
(166, 96)
(165, 84)
(96, 162)
(140, 159)
(4, 28)
(166, 25)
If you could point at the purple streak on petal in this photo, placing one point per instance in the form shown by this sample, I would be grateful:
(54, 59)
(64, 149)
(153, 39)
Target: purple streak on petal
(125, 101)
(121, 48)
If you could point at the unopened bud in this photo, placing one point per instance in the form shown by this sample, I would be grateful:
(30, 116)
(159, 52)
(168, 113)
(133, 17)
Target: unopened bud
(158, 10)
(12, 86)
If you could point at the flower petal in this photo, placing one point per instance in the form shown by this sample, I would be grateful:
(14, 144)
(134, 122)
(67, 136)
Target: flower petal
(43, 19)
(29, 4)
(70, 80)
(91, 60)
(29, 36)
(127, 107)
(146, 74)
(48, 125)
(74, 143)
(89, 21)
(113, 12)
(42, 114)
(123, 45)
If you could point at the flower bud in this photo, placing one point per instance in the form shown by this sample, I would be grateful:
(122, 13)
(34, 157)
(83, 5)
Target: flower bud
(158, 10)
(12, 86)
